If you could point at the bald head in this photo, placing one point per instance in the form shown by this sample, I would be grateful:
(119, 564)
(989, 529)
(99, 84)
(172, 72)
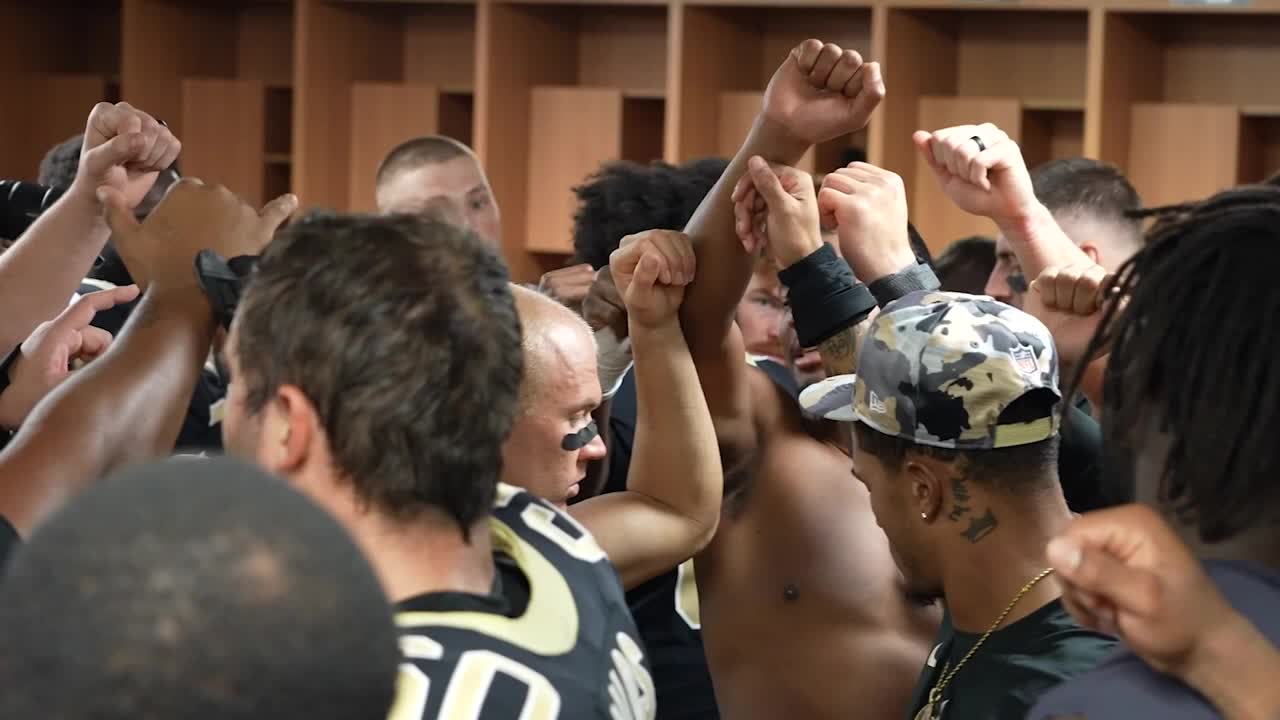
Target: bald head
(553, 338)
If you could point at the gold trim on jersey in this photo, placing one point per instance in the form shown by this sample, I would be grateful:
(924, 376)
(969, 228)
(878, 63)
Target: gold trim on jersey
(548, 626)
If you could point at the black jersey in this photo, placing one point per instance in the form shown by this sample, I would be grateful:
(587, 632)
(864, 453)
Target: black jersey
(554, 639)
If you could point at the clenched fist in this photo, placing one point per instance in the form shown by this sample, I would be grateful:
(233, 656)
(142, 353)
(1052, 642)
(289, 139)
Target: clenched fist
(868, 207)
(775, 206)
(651, 270)
(823, 91)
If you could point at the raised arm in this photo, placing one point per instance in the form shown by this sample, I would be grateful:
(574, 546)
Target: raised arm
(124, 148)
(129, 404)
(671, 506)
(818, 93)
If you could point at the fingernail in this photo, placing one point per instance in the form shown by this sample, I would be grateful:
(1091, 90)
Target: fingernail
(1063, 554)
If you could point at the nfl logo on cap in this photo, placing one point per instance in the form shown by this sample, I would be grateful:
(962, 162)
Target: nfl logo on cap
(1026, 360)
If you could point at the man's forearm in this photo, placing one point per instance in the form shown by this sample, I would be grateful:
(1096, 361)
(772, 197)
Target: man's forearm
(128, 405)
(724, 266)
(1039, 242)
(40, 273)
(675, 459)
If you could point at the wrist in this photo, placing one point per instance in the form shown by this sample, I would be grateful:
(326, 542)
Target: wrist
(81, 199)
(872, 267)
(1026, 226)
(773, 141)
(645, 334)
(788, 254)
(1215, 669)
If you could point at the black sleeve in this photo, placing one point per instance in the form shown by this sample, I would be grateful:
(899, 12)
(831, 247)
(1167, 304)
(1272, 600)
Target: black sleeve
(622, 433)
(1080, 462)
(9, 541)
(904, 282)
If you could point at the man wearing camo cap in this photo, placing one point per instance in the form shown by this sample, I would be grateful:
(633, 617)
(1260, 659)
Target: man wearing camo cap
(955, 435)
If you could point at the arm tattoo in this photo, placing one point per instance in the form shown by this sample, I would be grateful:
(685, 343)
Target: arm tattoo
(840, 351)
(980, 527)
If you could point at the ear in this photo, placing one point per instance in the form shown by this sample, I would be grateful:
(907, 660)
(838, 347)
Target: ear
(924, 481)
(1092, 251)
(290, 425)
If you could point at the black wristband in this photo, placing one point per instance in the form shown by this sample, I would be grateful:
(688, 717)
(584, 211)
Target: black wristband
(904, 282)
(825, 297)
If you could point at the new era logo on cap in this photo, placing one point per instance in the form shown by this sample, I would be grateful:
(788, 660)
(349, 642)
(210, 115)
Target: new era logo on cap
(875, 403)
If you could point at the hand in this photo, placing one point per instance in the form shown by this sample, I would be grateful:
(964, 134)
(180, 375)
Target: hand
(651, 270)
(46, 357)
(821, 92)
(124, 149)
(603, 306)
(569, 285)
(192, 217)
(1068, 301)
(1124, 572)
(991, 183)
(775, 206)
(868, 207)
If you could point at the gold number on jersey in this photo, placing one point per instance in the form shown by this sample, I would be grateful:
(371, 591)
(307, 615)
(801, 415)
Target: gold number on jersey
(413, 685)
(687, 595)
(471, 680)
(630, 685)
(544, 520)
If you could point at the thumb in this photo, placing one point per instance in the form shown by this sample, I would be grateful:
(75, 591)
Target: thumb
(277, 211)
(766, 181)
(116, 210)
(647, 271)
(119, 150)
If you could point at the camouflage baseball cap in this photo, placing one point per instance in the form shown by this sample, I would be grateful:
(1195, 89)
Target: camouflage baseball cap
(942, 369)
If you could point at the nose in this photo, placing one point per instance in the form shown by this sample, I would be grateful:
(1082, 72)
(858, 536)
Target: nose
(998, 283)
(594, 450)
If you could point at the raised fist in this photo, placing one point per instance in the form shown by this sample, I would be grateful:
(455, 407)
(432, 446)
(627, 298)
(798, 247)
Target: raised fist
(651, 270)
(821, 92)
(775, 206)
(1069, 301)
(1124, 572)
(124, 149)
(603, 307)
(48, 356)
(981, 170)
(192, 217)
(568, 285)
(868, 207)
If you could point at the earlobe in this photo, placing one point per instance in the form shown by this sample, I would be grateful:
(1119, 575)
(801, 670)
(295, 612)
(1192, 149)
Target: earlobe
(289, 432)
(1091, 250)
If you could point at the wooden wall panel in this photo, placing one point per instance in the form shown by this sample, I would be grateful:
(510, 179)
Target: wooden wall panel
(264, 43)
(440, 47)
(623, 47)
(708, 40)
(934, 215)
(1221, 59)
(589, 121)
(389, 114)
(214, 110)
(64, 101)
(1021, 54)
(1180, 152)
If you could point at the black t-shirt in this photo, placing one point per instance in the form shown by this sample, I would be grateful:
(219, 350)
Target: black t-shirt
(1015, 666)
(9, 541)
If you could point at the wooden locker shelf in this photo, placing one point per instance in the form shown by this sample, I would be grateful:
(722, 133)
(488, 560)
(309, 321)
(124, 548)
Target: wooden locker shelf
(1186, 100)
(57, 65)
(1023, 70)
(727, 56)
(349, 45)
(611, 57)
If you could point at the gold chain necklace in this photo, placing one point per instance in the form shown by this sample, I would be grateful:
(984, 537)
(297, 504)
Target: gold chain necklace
(935, 695)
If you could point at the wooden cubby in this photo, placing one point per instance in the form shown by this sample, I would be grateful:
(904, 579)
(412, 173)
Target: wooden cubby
(1022, 69)
(728, 53)
(370, 76)
(563, 89)
(1188, 102)
(307, 96)
(54, 66)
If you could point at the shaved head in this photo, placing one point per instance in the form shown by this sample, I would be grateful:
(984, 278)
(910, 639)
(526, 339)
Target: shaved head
(559, 392)
(436, 174)
(551, 336)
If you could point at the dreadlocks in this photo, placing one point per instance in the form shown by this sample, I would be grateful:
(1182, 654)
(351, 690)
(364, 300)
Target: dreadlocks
(1197, 344)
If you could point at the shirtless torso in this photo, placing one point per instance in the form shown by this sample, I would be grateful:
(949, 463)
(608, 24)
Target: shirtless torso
(803, 610)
